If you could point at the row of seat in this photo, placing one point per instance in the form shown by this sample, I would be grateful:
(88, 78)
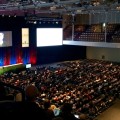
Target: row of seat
(93, 33)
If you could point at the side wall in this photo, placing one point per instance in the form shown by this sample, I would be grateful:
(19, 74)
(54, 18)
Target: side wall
(108, 54)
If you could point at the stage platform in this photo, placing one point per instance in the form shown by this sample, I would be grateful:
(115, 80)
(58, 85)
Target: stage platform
(12, 68)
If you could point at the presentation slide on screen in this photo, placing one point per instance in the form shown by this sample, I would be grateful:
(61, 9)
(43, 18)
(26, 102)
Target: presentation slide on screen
(25, 37)
(5, 38)
(49, 36)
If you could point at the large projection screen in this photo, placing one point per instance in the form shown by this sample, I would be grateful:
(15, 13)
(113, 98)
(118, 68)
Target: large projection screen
(49, 36)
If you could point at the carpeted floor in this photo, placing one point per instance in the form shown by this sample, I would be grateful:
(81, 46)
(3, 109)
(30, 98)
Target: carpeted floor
(112, 113)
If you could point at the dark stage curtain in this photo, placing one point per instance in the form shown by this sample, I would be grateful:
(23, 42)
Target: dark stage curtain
(7, 56)
(26, 55)
(1, 56)
(14, 55)
(33, 55)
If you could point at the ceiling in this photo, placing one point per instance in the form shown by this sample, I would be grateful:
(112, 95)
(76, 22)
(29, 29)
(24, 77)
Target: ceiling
(36, 8)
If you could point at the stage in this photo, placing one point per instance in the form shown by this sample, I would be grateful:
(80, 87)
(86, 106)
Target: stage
(12, 68)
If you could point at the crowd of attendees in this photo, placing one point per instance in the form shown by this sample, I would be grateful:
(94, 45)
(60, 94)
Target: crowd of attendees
(82, 87)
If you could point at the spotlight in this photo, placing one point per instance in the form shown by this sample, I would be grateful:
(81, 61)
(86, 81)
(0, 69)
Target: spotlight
(104, 24)
(15, 15)
(35, 22)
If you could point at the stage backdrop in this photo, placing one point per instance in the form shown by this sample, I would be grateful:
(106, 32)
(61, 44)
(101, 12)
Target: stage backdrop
(15, 53)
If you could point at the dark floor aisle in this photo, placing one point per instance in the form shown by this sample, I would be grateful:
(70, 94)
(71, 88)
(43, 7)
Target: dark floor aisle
(112, 113)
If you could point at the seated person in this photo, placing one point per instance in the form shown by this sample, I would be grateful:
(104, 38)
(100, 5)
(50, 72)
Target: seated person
(2, 92)
(55, 110)
(66, 112)
(83, 117)
(48, 111)
(28, 108)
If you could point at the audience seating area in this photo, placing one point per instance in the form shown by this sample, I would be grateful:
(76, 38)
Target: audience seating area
(67, 35)
(116, 37)
(94, 33)
(91, 86)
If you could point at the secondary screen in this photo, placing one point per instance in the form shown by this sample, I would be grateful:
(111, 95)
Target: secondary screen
(5, 38)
